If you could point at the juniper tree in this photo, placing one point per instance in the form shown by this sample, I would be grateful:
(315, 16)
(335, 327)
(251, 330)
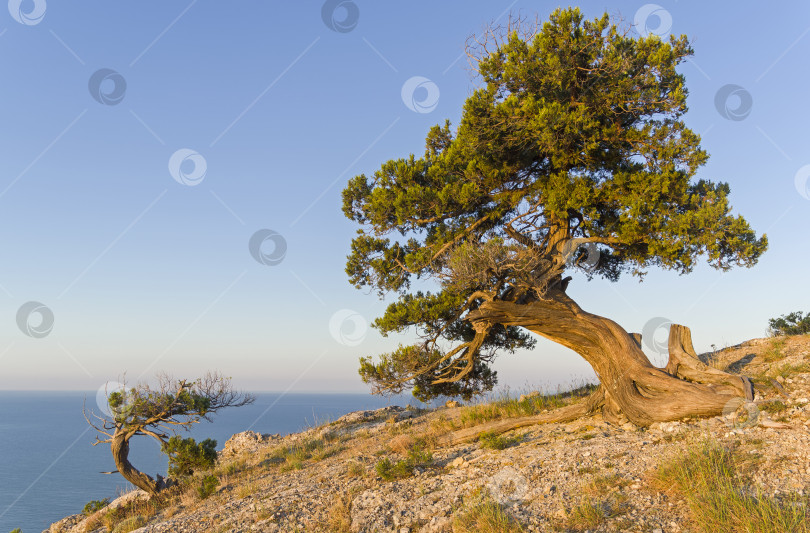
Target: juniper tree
(572, 155)
(158, 412)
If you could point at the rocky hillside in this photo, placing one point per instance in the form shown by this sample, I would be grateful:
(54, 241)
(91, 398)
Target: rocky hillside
(385, 471)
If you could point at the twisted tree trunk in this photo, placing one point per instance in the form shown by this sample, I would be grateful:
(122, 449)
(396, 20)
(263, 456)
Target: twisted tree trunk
(120, 451)
(631, 388)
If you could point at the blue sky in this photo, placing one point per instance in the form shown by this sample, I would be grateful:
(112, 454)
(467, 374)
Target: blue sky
(143, 272)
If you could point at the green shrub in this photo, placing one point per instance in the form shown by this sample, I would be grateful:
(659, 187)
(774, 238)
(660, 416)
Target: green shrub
(790, 324)
(490, 440)
(17, 530)
(390, 471)
(186, 455)
(94, 505)
(207, 486)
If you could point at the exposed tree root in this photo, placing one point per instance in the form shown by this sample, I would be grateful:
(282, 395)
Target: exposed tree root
(685, 387)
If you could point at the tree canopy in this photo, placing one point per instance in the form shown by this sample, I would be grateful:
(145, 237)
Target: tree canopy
(573, 154)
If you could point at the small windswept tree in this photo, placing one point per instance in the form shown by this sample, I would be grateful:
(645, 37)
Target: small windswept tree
(572, 156)
(159, 412)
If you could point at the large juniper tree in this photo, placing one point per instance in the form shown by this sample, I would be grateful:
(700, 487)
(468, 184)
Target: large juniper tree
(573, 154)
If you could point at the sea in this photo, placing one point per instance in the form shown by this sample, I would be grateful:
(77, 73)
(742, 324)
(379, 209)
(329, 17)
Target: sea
(50, 469)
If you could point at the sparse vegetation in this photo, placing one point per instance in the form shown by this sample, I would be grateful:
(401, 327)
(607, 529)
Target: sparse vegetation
(481, 514)
(711, 480)
(94, 505)
(130, 524)
(773, 406)
(774, 351)
(588, 514)
(416, 458)
(208, 485)
(493, 441)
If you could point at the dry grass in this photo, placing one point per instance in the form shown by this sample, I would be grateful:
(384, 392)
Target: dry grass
(481, 514)
(775, 350)
(713, 481)
(588, 514)
(340, 514)
(402, 443)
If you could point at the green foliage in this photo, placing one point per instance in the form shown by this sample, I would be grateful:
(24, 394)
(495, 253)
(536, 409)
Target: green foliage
(134, 405)
(187, 456)
(417, 457)
(574, 138)
(94, 505)
(790, 324)
(489, 439)
(16, 530)
(208, 485)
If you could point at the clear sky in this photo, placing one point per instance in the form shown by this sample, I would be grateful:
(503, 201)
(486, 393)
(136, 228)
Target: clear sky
(129, 196)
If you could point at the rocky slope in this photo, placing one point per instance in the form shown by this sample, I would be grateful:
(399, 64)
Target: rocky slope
(581, 476)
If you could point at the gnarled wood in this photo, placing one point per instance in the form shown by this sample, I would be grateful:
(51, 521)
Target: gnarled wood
(633, 387)
(120, 451)
(563, 414)
(684, 363)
